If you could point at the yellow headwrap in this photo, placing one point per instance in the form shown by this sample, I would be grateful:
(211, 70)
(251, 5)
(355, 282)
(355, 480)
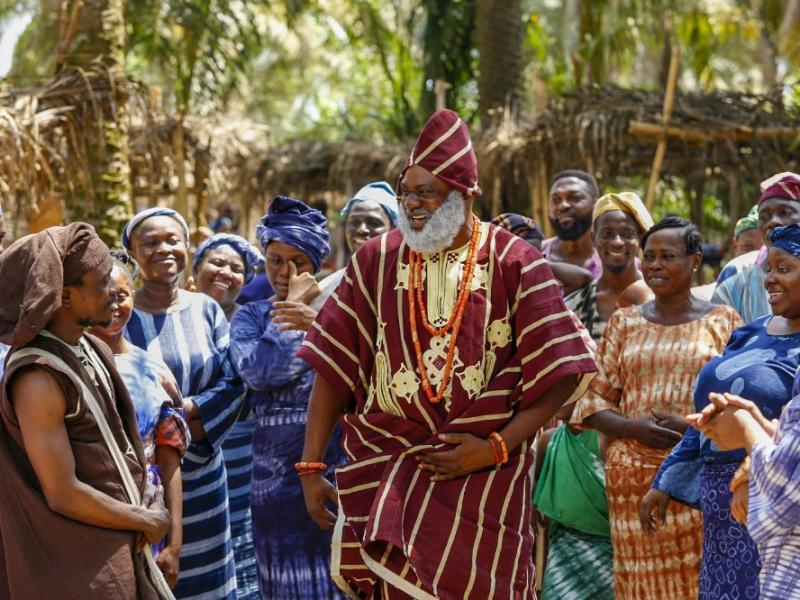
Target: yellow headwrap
(628, 202)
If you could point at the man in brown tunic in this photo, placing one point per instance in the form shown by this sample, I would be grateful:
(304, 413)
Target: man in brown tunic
(69, 527)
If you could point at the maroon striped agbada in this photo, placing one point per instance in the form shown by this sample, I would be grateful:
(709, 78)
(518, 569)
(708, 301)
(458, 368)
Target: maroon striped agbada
(469, 537)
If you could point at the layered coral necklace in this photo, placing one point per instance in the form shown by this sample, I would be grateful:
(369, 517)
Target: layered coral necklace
(453, 323)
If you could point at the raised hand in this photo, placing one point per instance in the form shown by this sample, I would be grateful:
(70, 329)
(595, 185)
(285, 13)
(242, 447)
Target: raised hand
(303, 288)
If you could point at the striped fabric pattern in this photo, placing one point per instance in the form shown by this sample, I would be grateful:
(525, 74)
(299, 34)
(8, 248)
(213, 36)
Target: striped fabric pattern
(237, 450)
(774, 507)
(193, 340)
(469, 537)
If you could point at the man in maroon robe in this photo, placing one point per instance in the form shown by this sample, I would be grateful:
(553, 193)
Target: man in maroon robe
(429, 506)
(70, 452)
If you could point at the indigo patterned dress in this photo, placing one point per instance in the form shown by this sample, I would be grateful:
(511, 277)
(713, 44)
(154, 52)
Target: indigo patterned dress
(237, 450)
(293, 553)
(760, 367)
(193, 340)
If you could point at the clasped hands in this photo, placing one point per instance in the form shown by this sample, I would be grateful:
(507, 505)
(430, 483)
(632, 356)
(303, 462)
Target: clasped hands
(726, 419)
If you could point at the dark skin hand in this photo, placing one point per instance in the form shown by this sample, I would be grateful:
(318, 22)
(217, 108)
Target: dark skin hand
(653, 510)
(468, 455)
(646, 430)
(472, 453)
(40, 406)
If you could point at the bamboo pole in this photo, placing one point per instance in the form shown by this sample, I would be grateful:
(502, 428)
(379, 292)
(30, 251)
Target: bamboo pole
(738, 133)
(661, 149)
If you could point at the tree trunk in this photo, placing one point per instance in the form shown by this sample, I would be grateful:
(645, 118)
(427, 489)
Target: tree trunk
(500, 46)
(93, 40)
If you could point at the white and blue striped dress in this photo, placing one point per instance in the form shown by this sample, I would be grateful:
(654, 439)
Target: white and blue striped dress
(193, 340)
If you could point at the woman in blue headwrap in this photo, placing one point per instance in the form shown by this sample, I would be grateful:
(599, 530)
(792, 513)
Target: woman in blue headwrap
(189, 333)
(758, 363)
(368, 214)
(293, 553)
(222, 264)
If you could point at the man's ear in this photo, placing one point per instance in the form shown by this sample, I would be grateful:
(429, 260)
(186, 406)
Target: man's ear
(66, 296)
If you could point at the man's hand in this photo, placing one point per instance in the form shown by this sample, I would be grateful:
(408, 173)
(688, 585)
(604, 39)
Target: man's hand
(303, 288)
(316, 491)
(653, 510)
(293, 316)
(470, 454)
(168, 560)
(158, 519)
(648, 432)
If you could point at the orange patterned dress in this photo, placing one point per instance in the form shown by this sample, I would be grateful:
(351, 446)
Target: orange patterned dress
(645, 366)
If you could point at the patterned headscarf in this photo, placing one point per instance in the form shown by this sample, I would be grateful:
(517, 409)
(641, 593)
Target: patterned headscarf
(746, 223)
(445, 149)
(787, 238)
(146, 214)
(379, 191)
(783, 185)
(251, 257)
(521, 226)
(292, 222)
(628, 202)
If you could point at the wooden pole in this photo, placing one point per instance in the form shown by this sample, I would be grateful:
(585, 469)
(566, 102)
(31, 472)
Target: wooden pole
(661, 149)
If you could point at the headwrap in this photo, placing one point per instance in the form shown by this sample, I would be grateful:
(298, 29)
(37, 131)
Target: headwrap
(34, 270)
(379, 191)
(746, 223)
(445, 149)
(146, 214)
(783, 185)
(628, 202)
(521, 226)
(251, 257)
(292, 222)
(787, 238)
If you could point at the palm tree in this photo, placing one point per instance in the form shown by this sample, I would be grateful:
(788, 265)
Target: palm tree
(500, 30)
(92, 42)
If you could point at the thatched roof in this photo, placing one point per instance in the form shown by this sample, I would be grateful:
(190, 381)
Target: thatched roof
(738, 139)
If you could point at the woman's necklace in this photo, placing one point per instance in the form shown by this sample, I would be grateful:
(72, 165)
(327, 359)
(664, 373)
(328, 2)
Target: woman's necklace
(454, 322)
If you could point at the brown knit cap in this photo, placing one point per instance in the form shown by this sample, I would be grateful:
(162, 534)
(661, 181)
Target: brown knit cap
(33, 272)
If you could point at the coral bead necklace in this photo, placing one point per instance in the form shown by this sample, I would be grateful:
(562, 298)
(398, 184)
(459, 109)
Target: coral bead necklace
(454, 322)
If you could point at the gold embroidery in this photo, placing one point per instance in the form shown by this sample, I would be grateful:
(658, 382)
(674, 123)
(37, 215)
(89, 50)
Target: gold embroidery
(472, 380)
(499, 333)
(405, 383)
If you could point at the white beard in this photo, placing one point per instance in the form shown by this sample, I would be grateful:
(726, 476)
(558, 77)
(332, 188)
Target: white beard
(441, 229)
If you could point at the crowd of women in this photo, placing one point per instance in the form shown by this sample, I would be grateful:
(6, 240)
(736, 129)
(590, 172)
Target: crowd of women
(638, 501)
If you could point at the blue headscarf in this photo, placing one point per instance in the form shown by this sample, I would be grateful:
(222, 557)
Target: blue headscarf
(787, 239)
(292, 222)
(251, 257)
(146, 214)
(379, 191)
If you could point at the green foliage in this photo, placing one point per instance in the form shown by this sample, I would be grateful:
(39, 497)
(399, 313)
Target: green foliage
(200, 48)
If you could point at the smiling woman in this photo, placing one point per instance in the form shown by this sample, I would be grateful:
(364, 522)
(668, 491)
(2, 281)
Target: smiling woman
(650, 356)
(190, 334)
